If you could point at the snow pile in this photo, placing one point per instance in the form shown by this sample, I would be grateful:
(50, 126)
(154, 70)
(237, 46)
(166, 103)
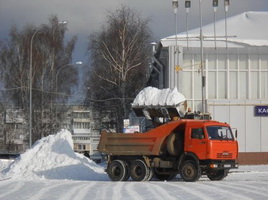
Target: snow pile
(53, 157)
(4, 163)
(151, 96)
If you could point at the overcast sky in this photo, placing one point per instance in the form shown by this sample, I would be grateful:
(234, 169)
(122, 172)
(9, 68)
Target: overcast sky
(87, 16)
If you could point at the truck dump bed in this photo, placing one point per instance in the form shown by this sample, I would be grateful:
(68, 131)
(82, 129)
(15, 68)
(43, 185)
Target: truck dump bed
(148, 143)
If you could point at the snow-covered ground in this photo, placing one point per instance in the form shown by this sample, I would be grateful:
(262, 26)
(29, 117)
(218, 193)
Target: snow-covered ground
(51, 170)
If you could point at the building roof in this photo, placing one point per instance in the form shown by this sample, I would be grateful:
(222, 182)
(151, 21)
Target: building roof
(246, 29)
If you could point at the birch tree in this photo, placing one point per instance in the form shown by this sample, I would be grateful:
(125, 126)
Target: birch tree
(49, 53)
(119, 60)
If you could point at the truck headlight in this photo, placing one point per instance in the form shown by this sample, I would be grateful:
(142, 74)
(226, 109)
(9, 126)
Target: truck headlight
(213, 166)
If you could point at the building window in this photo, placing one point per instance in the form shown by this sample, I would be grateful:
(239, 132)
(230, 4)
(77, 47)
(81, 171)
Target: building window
(81, 147)
(81, 125)
(81, 115)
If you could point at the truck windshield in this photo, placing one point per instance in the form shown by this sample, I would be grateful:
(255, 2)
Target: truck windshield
(219, 133)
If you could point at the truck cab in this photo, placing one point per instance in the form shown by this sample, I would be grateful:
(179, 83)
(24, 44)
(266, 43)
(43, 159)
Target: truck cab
(210, 140)
(212, 145)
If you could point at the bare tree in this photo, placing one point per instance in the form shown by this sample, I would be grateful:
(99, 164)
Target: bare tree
(119, 60)
(49, 53)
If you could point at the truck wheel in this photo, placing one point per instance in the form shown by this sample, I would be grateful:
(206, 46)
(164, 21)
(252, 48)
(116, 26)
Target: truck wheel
(139, 171)
(217, 175)
(117, 170)
(127, 175)
(151, 174)
(190, 172)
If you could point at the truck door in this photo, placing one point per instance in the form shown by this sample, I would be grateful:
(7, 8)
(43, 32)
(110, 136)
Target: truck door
(196, 142)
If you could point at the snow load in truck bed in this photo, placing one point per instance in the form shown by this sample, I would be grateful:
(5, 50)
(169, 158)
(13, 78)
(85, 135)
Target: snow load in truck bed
(152, 96)
(169, 102)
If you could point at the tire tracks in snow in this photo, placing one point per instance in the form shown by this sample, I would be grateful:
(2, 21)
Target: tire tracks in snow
(105, 192)
(254, 190)
(111, 190)
(117, 191)
(190, 188)
(12, 188)
(158, 192)
(48, 188)
(42, 191)
(131, 189)
(77, 191)
(216, 189)
(84, 191)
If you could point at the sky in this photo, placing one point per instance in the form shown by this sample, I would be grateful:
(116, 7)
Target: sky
(87, 16)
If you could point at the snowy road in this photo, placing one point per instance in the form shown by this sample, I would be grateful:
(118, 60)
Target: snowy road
(51, 170)
(248, 182)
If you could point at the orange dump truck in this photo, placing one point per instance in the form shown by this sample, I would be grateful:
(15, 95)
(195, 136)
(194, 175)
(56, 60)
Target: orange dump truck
(187, 147)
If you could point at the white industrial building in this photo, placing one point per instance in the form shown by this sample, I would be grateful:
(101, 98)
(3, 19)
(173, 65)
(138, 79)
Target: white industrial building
(235, 70)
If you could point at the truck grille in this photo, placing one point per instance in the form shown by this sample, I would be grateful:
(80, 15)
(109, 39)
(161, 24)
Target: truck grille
(224, 155)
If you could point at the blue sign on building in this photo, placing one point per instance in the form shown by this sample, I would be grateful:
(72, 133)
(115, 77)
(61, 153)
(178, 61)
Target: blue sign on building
(261, 111)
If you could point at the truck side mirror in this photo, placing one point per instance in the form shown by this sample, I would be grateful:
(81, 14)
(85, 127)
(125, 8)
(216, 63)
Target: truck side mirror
(235, 132)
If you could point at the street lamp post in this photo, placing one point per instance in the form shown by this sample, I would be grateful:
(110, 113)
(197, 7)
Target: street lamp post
(30, 88)
(175, 5)
(226, 5)
(215, 6)
(201, 37)
(31, 84)
(187, 7)
(203, 79)
(70, 64)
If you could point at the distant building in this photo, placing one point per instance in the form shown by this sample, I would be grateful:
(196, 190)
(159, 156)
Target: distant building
(236, 76)
(85, 132)
(77, 119)
(12, 131)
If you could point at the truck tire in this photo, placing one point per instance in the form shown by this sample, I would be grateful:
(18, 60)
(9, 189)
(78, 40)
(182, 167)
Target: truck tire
(174, 145)
(127, 175)
(190, 171)
(118, 170)
(139, 171)
(151, 174)
(217, 175)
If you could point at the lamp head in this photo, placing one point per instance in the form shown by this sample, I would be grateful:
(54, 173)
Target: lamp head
(175, 5)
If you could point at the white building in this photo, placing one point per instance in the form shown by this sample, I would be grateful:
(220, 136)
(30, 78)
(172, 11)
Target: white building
(235, 70)
(85, 136)
(12, 132)
(78, 119)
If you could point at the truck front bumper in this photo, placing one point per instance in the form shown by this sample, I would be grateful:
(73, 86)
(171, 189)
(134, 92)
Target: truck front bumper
(223, 165)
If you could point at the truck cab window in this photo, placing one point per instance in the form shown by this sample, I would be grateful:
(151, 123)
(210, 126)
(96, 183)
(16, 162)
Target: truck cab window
(197, 133)
(219, 133)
